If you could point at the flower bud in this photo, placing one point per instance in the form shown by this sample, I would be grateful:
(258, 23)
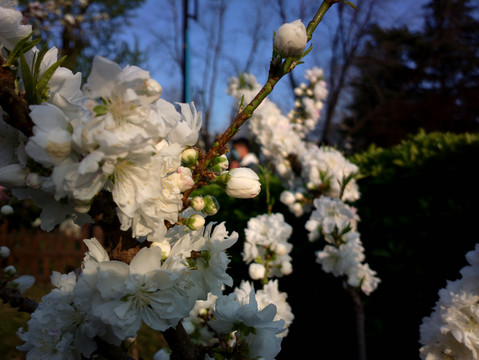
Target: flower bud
(35, 181)
(287, 197)
(197, 203)
(195, 222)
(4, 251)
(211, 205)
(280, 249)
(299, 196)
(189, 157)
(23, 283)
(13, 176)
(163, 245)
(256, 271)
(219, 164)
(291, 39)
(7, 210)
(286, 268)
(298, 91)
(242, 183)
(182, 178)
(10, 271)
(296, 209)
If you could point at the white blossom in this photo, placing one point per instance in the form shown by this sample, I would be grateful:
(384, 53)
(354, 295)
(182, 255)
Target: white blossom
(270, 294)
(257, 328)
(12, 30)
(268, 234)
(452, 328)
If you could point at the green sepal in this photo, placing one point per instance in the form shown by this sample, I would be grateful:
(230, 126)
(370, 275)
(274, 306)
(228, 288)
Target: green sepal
(100, 109)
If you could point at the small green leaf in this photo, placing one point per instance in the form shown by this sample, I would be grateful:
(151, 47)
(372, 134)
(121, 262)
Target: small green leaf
(20, 49)
(307, 51)
(351, 4)
(46, 76)
(37, 60)
(27, 80)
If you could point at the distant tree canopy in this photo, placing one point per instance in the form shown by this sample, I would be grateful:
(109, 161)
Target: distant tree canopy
(410, 80)
(82, 29)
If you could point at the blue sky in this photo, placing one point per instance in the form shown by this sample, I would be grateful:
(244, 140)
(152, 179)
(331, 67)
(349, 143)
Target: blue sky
(240, 19)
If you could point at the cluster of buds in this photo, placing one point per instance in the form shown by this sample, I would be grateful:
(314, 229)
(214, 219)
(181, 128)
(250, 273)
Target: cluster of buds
(10, 278)
(296, 202)
(309, 101)
(207, 204)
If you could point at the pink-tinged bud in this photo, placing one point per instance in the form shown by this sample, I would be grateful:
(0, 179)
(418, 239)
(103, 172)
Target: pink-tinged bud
(197, 203)
(182, 178)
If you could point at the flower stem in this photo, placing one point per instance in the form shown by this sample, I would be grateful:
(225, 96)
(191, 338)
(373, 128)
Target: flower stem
(319, 16)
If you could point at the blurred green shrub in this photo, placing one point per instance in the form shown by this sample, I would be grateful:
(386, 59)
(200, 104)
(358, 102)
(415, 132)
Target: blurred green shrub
(418, 210)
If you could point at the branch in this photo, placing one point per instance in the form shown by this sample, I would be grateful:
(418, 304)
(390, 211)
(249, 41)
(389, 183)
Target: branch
(110, 351)
(359, 317)
(180, 344)
(14, 104)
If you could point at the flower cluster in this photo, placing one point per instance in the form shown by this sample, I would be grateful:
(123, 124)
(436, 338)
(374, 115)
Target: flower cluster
(113, 135)
(451, 331)
(113, 145)
(210, 316)
(343, 255)
(112, 299)
(309, 101)
(315, 176)
(266, 248)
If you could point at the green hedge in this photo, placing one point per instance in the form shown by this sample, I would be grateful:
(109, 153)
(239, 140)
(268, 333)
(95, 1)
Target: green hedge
(418, 210)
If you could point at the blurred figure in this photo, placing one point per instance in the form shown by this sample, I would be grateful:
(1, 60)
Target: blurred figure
(241, 155)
